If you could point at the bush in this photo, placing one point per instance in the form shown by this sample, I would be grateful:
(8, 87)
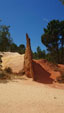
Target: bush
(5, 75)
(0, 61)
(0, 58)
(2, 75)
(8, 70)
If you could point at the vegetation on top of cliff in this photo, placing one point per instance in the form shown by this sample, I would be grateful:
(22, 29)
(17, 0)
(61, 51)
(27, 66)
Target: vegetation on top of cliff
(6, 42)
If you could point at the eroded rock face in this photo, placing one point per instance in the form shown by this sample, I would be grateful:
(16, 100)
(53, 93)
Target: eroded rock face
(28, 63)
(15, 61)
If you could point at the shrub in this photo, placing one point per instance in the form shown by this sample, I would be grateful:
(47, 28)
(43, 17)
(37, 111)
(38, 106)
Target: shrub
(8, 70)
(0, 58)
(0, 62)
(2, 75)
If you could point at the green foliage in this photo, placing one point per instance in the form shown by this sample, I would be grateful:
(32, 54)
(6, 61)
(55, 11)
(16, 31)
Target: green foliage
(35, 56)
(0, 61)
(39, 54)
(62, 1)
(13, 47)
(50, 58)
(6, 43)
(53, 39)
(5, 39)
(21, 49)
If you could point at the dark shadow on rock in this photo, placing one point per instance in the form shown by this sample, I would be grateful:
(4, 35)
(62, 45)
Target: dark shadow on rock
(41, 75)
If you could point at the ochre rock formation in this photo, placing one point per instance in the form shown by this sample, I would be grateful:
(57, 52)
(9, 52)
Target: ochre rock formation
(28, 63)
(13, 60)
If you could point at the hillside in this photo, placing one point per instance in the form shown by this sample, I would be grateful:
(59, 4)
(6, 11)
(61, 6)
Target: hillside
(45, 71)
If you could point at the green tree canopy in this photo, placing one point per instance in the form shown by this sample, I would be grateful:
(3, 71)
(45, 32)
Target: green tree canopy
(6, 42)
(53, 39)
(13, 47)
(5, 39)
(62, 1)
(39, 54)
(21, 48)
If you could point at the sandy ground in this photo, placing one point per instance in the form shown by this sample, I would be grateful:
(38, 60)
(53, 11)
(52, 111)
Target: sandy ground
(26, 96)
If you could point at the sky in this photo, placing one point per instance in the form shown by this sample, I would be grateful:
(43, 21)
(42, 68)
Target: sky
(29, 16)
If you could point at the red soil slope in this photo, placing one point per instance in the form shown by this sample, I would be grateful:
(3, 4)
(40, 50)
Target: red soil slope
(46, 72)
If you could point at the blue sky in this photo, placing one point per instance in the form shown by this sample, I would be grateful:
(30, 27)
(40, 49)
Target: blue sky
(29, 16)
